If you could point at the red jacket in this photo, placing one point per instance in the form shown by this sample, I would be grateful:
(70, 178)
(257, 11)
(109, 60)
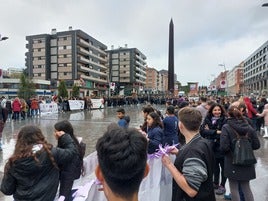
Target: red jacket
(250, 109)
(16, 105)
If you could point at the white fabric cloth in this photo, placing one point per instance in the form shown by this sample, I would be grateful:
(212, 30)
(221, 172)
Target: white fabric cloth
(156, 186)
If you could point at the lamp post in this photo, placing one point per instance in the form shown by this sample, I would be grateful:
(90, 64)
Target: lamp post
(225, 71)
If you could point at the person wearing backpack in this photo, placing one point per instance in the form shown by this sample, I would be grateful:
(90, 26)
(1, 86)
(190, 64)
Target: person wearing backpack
(73, 170)
(237, 175)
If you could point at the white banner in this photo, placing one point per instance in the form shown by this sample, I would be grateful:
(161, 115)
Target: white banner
(157, 186)
(76, 104)
(97, 103)
(48, 108)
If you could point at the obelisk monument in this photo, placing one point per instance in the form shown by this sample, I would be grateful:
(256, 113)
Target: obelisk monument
(171, 59)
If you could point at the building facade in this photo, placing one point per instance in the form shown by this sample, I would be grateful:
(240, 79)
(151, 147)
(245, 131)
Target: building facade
(163, 80)
(9, 87)
(256, 72)
(72, 56)
(234, 85)
(152, 80)
(127, 70)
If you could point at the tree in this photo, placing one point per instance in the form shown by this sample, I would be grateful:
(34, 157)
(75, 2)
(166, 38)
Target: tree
(26, 88)
(62, 89)
(75, 91)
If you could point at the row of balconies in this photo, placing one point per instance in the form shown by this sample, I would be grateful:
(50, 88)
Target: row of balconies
(91, 70)
(92, 78)
(87, 61)
(87, 44)
(88, 53)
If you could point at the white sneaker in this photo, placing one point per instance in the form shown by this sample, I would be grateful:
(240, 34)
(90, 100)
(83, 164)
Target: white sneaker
(265, 136)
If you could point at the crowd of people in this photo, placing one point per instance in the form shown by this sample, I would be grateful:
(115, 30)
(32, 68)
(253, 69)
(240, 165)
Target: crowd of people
(202, 136)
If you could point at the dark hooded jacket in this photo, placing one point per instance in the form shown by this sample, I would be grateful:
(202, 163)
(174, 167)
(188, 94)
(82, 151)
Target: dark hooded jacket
(228, 138)
(211, 133)
(29, 180)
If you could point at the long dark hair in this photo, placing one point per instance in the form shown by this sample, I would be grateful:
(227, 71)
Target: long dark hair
(223, 112)
(67, 127)
(29, 136)
(157, 121)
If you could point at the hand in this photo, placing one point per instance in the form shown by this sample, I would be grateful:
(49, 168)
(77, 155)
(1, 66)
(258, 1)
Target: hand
(143, 132)
(206, 127)
(174, 151)
(58, 134)
(166, 160)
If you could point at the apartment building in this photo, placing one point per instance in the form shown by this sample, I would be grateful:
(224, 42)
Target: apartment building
(72, 56)
(256, 71)
(163, 79)
(127, 69)
(234, 85)
(152, 80)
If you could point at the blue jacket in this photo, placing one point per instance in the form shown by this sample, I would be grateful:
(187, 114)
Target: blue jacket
(155, 136)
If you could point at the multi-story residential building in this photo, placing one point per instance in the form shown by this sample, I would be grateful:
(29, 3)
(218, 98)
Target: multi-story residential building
(256, 71)
(234, 85)
(163, 80)
(72, 56)
(152, 80)
(127, 69)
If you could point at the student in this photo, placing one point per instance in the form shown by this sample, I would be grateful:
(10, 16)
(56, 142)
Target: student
(155, 132)
(122, 161)
(146, 110)
(32, 172)
(193, 168)
(170, 123)
(211, 130)
(239, 176)
(73, 170)
(123, 119)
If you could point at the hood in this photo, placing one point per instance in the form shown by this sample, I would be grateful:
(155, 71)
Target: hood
(29, 166)
(239, 125)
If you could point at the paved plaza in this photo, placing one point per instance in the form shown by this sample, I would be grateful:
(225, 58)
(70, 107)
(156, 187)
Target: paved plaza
(91, 125)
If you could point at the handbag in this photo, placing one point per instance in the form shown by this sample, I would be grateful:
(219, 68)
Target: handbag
(243, 154)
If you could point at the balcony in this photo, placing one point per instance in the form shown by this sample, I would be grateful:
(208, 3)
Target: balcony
(98, 57)
(90, 70)
(98, 49)
(99, 65)
(82, 50)
(83, 42)
(83, 60)
(91, 78)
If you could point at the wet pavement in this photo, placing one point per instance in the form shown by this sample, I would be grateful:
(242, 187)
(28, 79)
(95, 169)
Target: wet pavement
(92, 124)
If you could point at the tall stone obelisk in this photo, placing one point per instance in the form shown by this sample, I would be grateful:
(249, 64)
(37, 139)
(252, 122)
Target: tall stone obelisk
(171, 58)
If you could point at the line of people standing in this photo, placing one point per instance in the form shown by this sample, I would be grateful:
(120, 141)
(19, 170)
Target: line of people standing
(18, 108)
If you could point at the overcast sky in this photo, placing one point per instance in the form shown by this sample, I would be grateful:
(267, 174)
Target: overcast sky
(206, 32)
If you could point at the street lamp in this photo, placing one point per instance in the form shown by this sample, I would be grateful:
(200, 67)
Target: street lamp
(265, 5)
(226, 82)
